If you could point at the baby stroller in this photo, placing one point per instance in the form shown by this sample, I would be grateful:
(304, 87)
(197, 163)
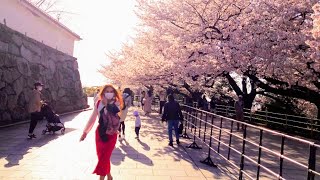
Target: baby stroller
(53, 121)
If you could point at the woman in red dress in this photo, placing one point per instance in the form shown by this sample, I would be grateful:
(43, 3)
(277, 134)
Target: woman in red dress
(106, 137)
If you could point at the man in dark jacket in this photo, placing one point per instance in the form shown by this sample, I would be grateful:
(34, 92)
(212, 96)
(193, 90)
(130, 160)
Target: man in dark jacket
(172, 114)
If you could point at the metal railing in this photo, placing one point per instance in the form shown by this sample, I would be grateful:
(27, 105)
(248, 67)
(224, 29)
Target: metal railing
(254, 151)
(308, 127)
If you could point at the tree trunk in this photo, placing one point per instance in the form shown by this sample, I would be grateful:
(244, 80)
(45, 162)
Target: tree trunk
(248, 98)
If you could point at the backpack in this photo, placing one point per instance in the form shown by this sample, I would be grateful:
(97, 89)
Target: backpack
(124, 102)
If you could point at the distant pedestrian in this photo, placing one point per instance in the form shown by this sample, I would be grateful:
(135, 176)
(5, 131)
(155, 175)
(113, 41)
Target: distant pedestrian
(137, 125)
(34, 108)
(213, 104)
(173, 115)
(162, 98)
(148, 102)
(107, 109)
(238, 105)
(127, 102)
(204, 103)
(142, 99)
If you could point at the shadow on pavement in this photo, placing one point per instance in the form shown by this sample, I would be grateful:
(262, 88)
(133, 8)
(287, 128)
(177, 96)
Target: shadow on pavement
(21, 145)
(132, 153)
(144, 145)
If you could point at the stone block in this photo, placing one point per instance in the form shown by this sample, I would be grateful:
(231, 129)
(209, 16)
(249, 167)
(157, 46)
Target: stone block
(17, 39)
(5, 36)
(19, 113)
(10, 75)
(10, 61)
(12, 102)
(2, 84)
(75, 65)
(3, 56)
(14, 49)
(61, 93)
(52, 66)
(21, 102)
(26, 53)
(3, 100)
(9, 90)
(33, 46)
(54, 95)
(36, 59)
(4, 47)
(18, 85)
(35, 70)
(23, 67)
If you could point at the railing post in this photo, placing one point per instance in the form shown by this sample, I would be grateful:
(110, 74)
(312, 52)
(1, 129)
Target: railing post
(230, 140)
(208, 161)
(243, 152)
(200, 123)
(281, 158)
(286, 128)
(220, 130)
(194, 145)
(259, 155)
(205, 128)
(312, 161)
(185, 135)
(250, 117)
(227, 111)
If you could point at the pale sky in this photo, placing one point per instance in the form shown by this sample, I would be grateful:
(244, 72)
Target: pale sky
(104, 25)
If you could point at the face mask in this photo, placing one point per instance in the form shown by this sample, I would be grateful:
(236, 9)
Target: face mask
(39, 88)
(109, 95)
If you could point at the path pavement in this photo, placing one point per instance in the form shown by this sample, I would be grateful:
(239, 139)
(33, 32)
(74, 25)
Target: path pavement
(64, 157)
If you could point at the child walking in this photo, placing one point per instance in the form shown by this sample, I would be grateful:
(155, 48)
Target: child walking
(137, 123)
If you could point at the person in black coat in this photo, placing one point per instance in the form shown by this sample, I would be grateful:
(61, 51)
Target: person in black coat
(173, 115)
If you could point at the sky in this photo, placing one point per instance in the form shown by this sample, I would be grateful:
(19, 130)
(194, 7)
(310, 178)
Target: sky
(103, 25)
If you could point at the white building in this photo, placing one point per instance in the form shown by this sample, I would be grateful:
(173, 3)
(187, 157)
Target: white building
(27, 19)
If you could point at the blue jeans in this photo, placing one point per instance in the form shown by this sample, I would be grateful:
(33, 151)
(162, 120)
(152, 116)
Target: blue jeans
(174, 124)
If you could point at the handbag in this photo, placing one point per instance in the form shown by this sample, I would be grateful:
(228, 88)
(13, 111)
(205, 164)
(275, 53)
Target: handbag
(109, 122)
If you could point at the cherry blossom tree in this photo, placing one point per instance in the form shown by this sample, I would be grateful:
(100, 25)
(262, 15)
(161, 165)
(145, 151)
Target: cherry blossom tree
(271, 46)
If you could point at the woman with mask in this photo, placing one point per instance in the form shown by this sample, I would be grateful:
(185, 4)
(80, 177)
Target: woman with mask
(34, 108)
(109, 103)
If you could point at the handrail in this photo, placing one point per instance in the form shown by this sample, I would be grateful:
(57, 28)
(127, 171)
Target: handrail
(220, 105)
(309, 127)
(194, 118)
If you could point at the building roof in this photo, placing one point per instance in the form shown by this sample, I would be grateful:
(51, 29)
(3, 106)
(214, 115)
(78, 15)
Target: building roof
(35, 9)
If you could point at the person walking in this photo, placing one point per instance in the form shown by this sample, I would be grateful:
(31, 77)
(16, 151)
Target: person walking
(213, 104)
(238, 105)
(34, 108)
(142, 99)
(107, 109)
(172, 114)
(137, 124)
(162, 97)
(148, 102)
(127, 102)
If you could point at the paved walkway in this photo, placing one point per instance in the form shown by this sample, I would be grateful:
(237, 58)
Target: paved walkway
(64, 157)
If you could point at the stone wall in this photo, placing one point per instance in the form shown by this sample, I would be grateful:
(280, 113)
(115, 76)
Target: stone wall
(24, 61)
